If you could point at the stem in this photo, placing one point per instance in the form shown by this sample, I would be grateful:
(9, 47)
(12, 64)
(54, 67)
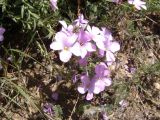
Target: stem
(78, 8)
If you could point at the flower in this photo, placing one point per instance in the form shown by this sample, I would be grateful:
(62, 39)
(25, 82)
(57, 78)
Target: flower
(107, 34)
(101, 78)
(82, 46)
(64, 43)
(54, 4)
(86, 85)
(111, 48)
(95, 35)
(2, 30)
(138, 4)
(67, 29)
(97, 84)
(47, 108)
(81, 21)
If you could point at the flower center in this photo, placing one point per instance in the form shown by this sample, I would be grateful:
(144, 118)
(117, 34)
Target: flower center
(65, 48)
(76, 29)
(81, 43)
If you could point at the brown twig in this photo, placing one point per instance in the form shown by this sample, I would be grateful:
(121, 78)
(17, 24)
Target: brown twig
(78, 8)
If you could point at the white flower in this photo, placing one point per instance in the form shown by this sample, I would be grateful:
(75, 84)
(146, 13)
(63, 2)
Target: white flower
(138, 4)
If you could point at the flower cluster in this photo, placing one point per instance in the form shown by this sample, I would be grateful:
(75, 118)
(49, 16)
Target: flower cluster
(81, 40)
(96, 84)
(2, 30)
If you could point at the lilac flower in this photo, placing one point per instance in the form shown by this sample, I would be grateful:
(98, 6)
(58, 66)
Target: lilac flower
(97, 84)
(101, 78)
(64, 43)
(82, 46)
(47, 108)
(107, 34)
(67, 29)
(54, 4)
(86, 85)
(95, 34)
(75, 78)
(138, 4)
(81, 21)
(2, 30)
(111, 48)
(91, 86)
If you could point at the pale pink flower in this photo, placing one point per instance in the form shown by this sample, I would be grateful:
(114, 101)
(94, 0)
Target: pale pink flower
(101, 78)
(91, 86)
(67, 29)
(111, 48)
(107, 34)
(83, 46)
(86, 85)
(97, 84)
(54, 4)
(95, 34)
(138, 4)
(47, 108)
(81, 21)
(64, 43)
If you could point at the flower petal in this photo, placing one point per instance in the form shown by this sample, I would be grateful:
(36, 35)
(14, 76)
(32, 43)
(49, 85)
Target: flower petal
(89, 96)
(81, 89)
(95, 30)
(99, 87)
(100, 45)
(60, 36)
(107, 81)
(83, 52)
(56, 45)
(110, 56)
(90, 47)
(76, 49)
(2, 30)
(114, 46)
(101, 53)
(1, 38)
(85, 80)
(65, 55)
(63, 23)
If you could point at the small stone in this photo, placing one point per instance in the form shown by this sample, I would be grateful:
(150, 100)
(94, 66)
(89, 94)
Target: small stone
(157, 85)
